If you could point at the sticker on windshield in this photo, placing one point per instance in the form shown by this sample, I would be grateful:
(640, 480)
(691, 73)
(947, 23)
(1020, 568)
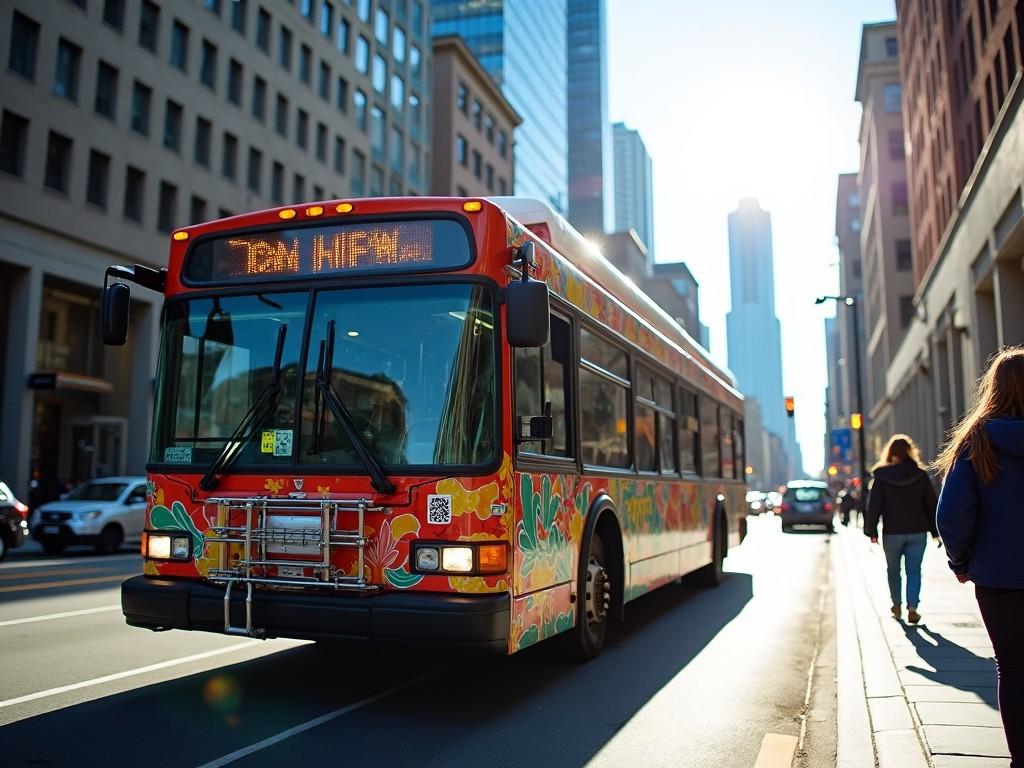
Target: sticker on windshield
(267, 441)
(439, 509)
(175, 455)
(282, 442)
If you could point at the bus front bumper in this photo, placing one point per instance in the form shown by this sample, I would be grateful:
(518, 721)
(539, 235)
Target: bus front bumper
(458, 621)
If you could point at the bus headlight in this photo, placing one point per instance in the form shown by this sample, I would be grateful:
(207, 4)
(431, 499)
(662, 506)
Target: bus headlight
(163, 546)
(457, 559)
(482, 558)
(428, 559)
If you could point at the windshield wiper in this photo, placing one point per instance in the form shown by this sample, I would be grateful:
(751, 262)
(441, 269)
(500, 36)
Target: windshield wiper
(251, 421)
(327, 395)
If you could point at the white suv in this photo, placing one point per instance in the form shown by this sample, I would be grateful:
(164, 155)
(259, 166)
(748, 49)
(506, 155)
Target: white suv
(104, 512)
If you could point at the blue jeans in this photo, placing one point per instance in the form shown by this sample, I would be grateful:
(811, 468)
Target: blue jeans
(908, 547)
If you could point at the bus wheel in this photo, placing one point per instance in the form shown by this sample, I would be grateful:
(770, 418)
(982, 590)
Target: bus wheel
(595, 590)
(711, 575)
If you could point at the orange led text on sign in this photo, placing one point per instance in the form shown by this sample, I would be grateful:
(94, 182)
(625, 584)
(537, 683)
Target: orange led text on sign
(372, 246)
(257, 256)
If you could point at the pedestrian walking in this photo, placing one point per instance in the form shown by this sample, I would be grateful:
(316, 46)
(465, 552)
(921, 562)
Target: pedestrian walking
(848, 505)
(901, 495)
(981, 518)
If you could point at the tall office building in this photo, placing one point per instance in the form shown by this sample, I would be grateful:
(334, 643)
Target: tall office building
(634, 189)
(755, 343)
(848, 229)
(591, 159)
(522, 45)
(122, 121)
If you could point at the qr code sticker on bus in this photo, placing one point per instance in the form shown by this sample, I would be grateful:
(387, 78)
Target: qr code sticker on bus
(439, 509)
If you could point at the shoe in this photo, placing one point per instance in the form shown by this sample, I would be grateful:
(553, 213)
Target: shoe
(895, 612)
(913, 616)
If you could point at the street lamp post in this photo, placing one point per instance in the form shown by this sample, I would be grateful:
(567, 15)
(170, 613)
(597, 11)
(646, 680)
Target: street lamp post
(851, 302)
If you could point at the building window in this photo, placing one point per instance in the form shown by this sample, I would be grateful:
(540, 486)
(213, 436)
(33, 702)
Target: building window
(891, 97)
(489, 128)
(324, 85)
(321, 142)
(339, 155)
(381, 25)
(477, 164)
(201, 148)
(284, 49)
(477, 114)
(229, 160)
(398, 45)
(308, 9)
(415, 114)
(298, 188)
(363, 9)
(416, 63)
(254, 172)
(376, 181)
(377, 132)
(99, 177)
(906, 310)
(208, 65)
(502, 143)
(65, 81)
(179, 46)
(168, 210)
(172, 125)
(461, 150)
(891, 47)
(259, 98)
(149, 25)
(903, 257)
(134, 193)
(380, 74)
(397, 92)
(106, 90)
(239, 12)
(417, 18)
(326, 19)
(13, 144)
(397, 150)
(197, 210)
(358, 173)
(213, 6)
(362, 61)
(359, 105)
(463, 99)
(277, 184)
(341, 95)
(344, 36)
(302, 129)
(895, 145)
(899, 198)
(224, 213)
(21, 57)
(142, 95)
(414, 164)
(58, 163)
(281, 116)
(113, 13)
(235, 82)
(502, 186)
(489, 177)
(318, 192)
(305, 64)
(855, 224)
(263, 31)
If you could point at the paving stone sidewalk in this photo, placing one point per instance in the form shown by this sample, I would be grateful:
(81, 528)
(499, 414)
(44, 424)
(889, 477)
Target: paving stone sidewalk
(930, 689)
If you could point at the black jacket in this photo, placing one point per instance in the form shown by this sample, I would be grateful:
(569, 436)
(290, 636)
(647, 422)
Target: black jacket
(901, 494)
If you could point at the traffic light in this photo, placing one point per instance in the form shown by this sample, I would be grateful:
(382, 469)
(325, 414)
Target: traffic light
(856, 421)
(790, 406)
(833, 470)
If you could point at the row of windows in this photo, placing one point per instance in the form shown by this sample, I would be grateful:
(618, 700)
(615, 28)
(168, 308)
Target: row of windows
(645, 421)
(482, 172)
(496, 137)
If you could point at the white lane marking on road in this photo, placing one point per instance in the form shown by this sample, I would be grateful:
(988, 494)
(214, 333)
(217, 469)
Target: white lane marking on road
(16, 563)
(62, 615)
(238, 754)
(126, 673)
(35, 586)
(777, 751)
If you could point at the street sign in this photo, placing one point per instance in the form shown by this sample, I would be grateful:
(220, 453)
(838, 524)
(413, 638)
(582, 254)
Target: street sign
(841, 446)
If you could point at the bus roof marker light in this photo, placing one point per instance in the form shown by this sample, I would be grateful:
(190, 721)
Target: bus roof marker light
(472, 206)
(315, 210)
(179, 236)
(353, 334)
(287, 213)
(343, 208)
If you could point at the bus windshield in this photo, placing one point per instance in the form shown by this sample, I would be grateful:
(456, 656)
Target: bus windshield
(414, 365)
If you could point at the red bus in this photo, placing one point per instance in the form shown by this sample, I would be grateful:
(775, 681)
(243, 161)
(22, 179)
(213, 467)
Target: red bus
(426, 420)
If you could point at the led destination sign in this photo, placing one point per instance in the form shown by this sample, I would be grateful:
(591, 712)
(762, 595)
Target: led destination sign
(330, 250)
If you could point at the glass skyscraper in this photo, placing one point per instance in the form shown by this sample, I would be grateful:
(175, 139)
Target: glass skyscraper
(522, 44)
(634, 186)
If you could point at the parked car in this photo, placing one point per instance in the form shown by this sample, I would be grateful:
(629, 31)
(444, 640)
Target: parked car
(807, 502)
(105, 512)
(13, 521)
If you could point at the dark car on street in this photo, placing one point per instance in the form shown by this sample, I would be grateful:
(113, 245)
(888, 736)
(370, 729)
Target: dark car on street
(807, 502)
(13, 521)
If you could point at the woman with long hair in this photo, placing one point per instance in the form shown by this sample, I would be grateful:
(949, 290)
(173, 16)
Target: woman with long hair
(902, 496)
(981, 517)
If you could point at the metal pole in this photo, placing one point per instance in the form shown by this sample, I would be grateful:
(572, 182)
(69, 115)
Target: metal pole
(852, 304)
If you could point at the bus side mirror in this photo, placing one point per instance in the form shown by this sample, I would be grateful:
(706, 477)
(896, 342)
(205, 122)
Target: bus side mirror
(527, 308)
(114, 314)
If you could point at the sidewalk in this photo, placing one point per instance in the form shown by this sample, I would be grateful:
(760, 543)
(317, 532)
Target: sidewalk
(912, 697)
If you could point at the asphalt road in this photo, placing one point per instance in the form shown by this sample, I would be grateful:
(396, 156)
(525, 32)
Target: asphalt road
(694, 678)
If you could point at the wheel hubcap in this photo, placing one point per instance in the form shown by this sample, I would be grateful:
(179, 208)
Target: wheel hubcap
(599, 592)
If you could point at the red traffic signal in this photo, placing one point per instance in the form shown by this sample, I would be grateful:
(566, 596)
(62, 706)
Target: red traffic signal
(790, 406)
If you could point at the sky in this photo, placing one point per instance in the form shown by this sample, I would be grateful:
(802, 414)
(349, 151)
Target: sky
(748, 98)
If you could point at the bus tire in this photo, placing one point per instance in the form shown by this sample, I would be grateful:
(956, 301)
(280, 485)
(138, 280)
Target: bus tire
(594, 598)
(712, 574)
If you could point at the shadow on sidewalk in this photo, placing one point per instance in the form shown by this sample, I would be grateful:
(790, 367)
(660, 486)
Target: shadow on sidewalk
(942, 652)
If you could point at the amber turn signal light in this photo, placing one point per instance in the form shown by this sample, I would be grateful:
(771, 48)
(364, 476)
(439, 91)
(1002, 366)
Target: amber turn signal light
(492, 558)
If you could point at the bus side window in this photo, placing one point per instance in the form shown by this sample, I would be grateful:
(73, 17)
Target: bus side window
(603, 394)
(689, 432)
(710, 463)
(741, 459)
(728, 447)
(542, 377)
